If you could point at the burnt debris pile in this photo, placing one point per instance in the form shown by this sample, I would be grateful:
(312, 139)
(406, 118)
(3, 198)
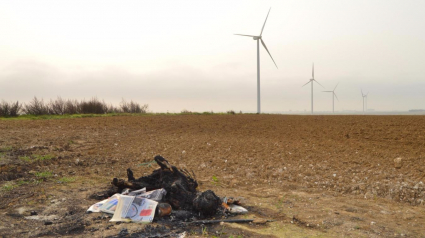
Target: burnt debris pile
(181, 192)
(169, 197)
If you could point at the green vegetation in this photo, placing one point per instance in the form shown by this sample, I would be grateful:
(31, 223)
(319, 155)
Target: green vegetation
(22, 182)
(6, 148)
(279, 203)
(43, 157)
(204, 231)
(37, 181)
(44, 174)
(25, 158)
(72, 116)
(220, 233)
(66, 180)
(3, 151)
(9, 186)
(215, 180)
(12, 185)
(49, 117)
(36, 157)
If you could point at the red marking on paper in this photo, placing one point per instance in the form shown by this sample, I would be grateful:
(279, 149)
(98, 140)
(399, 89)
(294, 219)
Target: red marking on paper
(145, 212)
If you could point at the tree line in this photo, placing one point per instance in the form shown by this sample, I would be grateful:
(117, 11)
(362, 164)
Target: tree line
(61, 106)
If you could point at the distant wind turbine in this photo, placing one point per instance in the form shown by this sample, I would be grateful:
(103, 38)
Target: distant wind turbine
(258, 39)
(333, 97)
(311, 81)
(367, 94)
(364, 96)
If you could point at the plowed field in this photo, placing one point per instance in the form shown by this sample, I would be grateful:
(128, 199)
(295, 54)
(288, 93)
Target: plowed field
(327, 176)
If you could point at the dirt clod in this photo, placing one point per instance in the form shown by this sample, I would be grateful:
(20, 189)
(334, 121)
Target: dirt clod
(398, 162)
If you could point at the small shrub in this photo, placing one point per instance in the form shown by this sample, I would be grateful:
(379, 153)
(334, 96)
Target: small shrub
(15, 109)
(10, 109)
(231, 112)
(93, 106)
(112, 109)
(71, 107)
(184, 111)
(57, 107)
(36, 107)
(132, 107)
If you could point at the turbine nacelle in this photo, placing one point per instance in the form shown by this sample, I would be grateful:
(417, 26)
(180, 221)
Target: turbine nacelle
(261, 39)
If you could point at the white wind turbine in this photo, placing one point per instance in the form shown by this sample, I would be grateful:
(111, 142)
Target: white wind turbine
(364, 96)
(258, 39)
(311, 81)
(333, 98)
(367, 94)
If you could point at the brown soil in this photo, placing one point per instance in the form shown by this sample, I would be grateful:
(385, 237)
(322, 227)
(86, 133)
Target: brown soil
(326, 176)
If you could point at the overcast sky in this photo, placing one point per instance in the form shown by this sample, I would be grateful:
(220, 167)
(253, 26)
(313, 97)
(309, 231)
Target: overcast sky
(176, 55)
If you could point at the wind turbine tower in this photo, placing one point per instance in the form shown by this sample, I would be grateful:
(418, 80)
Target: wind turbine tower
(311, 81)
(258, 39)
(333, 98)
(366, 100)
(364, 96)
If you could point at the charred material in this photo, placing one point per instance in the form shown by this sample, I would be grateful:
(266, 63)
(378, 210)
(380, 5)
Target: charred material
(180, 184)
(207, 203)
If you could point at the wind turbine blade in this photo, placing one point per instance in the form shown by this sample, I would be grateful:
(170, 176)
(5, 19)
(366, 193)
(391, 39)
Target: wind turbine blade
(262, 42)
(318, 83)
(265, 22)
(336, 86)
(362, 92)
(244, 35)
(336, 97)
(306, 83)
(328, 91)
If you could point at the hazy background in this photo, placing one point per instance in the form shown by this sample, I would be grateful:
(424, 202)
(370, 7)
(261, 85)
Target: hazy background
(176, 55)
